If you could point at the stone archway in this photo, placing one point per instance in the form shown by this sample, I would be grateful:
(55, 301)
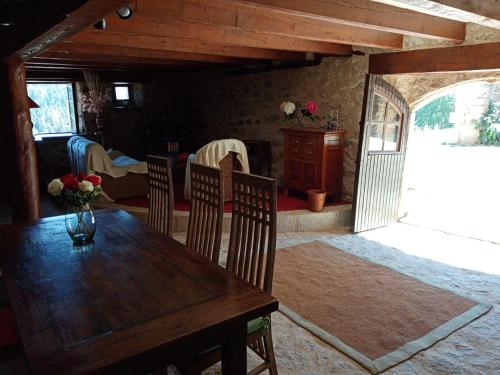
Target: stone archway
(420, 87)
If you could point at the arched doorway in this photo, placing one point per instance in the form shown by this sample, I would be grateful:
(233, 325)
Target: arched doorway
(451, 180)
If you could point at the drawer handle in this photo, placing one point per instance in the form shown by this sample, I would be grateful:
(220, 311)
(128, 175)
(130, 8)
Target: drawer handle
(295, 150)
(295, 141)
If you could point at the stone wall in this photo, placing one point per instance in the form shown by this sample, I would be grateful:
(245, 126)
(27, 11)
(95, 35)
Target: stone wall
(246, 106)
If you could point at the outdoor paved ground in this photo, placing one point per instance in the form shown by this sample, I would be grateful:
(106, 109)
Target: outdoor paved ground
(453, 188)
(425, 255)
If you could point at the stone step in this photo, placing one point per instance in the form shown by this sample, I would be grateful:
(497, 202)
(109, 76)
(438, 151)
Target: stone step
(288, 221)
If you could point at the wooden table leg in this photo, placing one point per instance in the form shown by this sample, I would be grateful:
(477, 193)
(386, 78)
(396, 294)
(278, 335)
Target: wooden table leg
(234, 352)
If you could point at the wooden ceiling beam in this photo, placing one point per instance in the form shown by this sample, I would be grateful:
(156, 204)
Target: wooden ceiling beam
(40, 36)
(368, 14)
(221, 34)
(237, 20)
(66, 50)
(105, 60)
(451, 59)
(106, 38)
(483, 12)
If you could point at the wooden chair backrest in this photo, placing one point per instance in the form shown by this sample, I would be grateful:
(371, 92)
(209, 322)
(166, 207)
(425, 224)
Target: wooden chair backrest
(161, 194)
(207, 211)
(252, 241)
(229, 164)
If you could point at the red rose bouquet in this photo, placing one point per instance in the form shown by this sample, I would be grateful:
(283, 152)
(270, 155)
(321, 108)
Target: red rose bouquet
(78, 192)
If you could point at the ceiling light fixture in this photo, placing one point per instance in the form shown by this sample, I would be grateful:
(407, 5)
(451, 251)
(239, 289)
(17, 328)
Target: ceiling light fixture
(125, 12)
(100, 25)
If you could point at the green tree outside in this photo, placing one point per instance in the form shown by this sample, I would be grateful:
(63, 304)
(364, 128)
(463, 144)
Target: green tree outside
(56, 112)
(489, 132)
(436, 114)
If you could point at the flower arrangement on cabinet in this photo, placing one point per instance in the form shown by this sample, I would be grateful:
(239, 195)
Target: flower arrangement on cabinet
(290, 113)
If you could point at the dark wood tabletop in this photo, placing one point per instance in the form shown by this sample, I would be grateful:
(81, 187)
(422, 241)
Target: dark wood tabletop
(131, 302)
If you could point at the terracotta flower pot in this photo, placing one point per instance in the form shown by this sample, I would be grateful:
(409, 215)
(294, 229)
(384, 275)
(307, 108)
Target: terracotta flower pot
(316, 200)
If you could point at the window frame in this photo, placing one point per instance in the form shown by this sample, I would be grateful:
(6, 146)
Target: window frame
(116, 103)
(400, 132)
(75, 107)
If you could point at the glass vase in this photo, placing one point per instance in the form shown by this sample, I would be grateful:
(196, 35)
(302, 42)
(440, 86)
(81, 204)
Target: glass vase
(80, 224)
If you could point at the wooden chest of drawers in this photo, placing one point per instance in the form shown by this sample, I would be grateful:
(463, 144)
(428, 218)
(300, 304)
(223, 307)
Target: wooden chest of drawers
(314, 160)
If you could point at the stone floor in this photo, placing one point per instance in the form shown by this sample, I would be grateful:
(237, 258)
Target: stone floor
(474, 349)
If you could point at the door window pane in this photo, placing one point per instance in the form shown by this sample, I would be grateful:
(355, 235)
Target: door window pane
(376, 142)
(56, 112)
(379, 106)
(392, 114)
(391, 137)
(385, 126)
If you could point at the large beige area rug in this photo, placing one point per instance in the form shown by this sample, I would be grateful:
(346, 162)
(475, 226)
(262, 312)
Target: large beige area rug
(373, 314)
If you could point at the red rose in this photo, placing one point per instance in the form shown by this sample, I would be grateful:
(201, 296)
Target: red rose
(311, 106)
(96, 180)
(70, 181)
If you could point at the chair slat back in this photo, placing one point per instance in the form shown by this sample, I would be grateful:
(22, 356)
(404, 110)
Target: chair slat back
(252, 241)
(206, 213)
(161, 194)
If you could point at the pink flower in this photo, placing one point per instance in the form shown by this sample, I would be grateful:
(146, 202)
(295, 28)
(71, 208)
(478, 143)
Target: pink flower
(311, 106)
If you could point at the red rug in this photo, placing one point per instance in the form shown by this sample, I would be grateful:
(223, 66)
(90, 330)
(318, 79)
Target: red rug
(285, 203)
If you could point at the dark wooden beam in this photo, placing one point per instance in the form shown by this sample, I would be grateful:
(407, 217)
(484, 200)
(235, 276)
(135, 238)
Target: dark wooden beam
(67, 49)
(450, 59)
(55, 21)
(483, 12)
(87, 61)
(15, 111)
(375, 16)
(105, 38)
(247, 22)
(220, 34)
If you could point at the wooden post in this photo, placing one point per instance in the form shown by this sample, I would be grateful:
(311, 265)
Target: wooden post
(25, 187)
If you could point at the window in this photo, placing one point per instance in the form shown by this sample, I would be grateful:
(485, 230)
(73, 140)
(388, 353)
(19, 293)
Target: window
(385, 126)
(56, 112)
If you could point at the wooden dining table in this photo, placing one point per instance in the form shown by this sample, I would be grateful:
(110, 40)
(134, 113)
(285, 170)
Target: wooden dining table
(132, 302)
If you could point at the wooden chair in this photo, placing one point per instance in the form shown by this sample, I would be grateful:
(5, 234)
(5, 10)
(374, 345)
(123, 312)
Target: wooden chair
(207, 211)
(161, 194)
(229, 164)
(251, 253)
